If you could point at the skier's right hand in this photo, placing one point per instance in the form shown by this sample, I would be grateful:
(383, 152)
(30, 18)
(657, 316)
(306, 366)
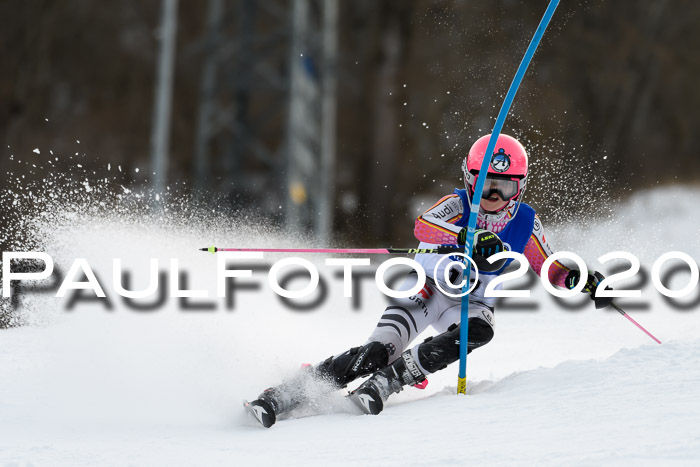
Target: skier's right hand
(486, 244)
(593, 279)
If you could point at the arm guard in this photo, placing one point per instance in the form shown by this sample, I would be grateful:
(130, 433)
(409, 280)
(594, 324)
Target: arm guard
(436, 225)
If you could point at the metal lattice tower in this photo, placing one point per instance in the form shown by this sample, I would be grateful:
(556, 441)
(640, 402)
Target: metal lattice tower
(266, 123)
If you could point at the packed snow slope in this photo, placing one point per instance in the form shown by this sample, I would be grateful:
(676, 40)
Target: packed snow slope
(556, 386)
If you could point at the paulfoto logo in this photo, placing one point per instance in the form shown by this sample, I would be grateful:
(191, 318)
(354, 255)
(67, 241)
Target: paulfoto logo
(447, 274)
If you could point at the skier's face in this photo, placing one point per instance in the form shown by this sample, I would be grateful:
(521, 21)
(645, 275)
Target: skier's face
(493, 203)
(498, 190)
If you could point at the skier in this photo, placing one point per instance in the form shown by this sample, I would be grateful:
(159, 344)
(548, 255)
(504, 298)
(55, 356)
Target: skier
(505, 222)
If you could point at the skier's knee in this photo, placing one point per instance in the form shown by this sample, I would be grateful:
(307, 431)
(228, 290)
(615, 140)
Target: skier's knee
(355, 363)
(480, 333)
(435, 353)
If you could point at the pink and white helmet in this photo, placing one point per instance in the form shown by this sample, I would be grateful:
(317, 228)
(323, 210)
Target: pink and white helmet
(507, 172)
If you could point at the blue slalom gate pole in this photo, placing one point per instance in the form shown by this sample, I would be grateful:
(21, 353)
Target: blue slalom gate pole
(479, 189)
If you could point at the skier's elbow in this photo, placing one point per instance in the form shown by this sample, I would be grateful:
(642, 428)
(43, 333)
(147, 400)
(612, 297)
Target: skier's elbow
(420, 230)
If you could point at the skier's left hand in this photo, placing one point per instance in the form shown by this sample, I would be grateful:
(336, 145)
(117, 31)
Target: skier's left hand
(593, 279)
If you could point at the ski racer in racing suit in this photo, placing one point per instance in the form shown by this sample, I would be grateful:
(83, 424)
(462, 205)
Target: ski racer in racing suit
(505, 223)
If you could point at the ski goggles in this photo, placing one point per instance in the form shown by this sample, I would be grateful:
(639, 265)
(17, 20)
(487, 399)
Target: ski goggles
(506, 188)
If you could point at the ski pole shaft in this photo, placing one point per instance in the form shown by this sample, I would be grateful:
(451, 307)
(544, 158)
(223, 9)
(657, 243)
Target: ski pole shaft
(622, 312)
(441, 250)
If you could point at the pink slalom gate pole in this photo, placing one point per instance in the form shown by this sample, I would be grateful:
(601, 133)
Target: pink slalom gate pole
(622, 312)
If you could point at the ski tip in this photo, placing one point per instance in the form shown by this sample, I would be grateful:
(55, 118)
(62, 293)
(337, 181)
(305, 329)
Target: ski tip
(211, 249)
(261, 411)
(367, 400)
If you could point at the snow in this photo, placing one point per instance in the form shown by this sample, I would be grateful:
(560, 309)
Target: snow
(164, 387)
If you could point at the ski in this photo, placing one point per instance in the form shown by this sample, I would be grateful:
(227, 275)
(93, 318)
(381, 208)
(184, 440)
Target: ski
(357, 404)
(368, 401)
(261, 412)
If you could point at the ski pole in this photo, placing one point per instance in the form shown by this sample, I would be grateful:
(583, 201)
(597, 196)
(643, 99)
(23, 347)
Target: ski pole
(479, 188)
(441, 250)
(622, 312)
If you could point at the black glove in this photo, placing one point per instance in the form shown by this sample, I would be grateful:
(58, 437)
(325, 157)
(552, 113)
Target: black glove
(592, 280)
(486, 244)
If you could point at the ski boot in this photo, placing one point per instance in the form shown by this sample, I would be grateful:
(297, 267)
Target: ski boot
(371, 395)
(262, 411)
(280, 399)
